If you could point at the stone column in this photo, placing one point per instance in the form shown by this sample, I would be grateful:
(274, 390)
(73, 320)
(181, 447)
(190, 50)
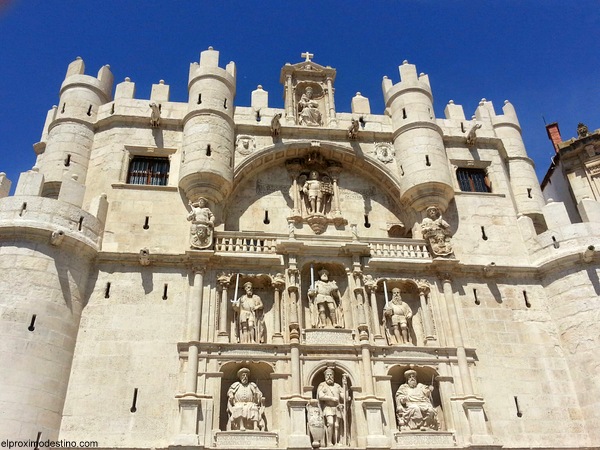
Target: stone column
(371, 288)
(294, 326)
(424, 290)
(191, 382)
(278, 282)
(359, 295)
(224, 281)
(290, 115)
(336, 212)
(332, 119)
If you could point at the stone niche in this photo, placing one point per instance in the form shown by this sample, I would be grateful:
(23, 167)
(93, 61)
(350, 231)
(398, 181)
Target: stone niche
(259, 374)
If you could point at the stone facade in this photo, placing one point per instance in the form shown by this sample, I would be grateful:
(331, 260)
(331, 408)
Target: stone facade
(203, 274)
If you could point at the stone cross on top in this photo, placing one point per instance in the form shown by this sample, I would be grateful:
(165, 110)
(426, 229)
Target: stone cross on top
(307, 55)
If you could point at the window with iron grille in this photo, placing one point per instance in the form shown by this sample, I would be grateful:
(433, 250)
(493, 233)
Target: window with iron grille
(153, 171)
(473, 180)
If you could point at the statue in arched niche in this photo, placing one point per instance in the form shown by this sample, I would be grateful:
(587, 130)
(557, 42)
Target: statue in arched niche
(325, 303)
(334, 400)
(396, 319)
(308, 109)
(249, 316)
(245, 404)
(414, 405)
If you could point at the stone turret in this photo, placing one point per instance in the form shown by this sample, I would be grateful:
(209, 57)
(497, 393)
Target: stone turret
(527, 194)
(208, 130)
(68, 136)
(425, 179)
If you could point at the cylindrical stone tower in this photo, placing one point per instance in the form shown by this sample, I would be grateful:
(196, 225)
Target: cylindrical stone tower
(523, 180)
(208, 130)
(71, 132)
(425, 179)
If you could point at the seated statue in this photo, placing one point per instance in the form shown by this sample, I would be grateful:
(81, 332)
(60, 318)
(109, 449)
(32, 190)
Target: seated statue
(308, 110)
(414, 406)
(245, 404)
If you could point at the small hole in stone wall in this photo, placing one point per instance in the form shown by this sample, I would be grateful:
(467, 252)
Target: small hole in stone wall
(258, 116)
(483, 235)
(89, 111)
(146, 223)
(266, 220)
(165, 289)
(529, 193)
(68, 161)
(133, 403)
(367, 224)
(427, 163)
(31, 326)
(112, 109)
(80, 225)
(208, 151)
(107, 290)
(401, 171)
(23, 209)
(160, 107)
(519, 413)
(225, 103)
(555, 243)
(527, 303)
(404, 116)
(62, 111)
(199, 98)
(477, 302)
(462, 127)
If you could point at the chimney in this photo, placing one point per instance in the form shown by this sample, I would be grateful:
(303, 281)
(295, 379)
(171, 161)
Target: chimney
(554, 135)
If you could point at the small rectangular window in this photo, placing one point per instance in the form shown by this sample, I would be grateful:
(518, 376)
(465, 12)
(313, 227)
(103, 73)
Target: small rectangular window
(144, 170)
(473, 180)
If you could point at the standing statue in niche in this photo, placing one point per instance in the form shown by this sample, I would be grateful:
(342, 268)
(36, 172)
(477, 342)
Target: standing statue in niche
(276, 125)
(437, 231)
(325, 303)
(249, 316)
(308, 109)
(245, 404)
(203, 222)
(317, 192)
(396, 317)
(414, 406)
(334, 400)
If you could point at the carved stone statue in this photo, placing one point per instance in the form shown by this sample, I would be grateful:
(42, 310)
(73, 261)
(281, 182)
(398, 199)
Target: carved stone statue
(249, 316)
(154, 115)
(334, 400)
(353, 130)
(203, 222)
(414, 407)
(308, 110)
(245, 404)
(317, 192)
(325, 303)
(396, 317)
(472, 135)
(437, 231)
(316, 424)
(582, 130)
(276, 125)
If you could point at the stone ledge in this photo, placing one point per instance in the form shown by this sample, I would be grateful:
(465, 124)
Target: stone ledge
(424, 439)
(245, 439)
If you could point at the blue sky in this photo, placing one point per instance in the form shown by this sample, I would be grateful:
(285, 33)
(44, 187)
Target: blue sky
(544, 56)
